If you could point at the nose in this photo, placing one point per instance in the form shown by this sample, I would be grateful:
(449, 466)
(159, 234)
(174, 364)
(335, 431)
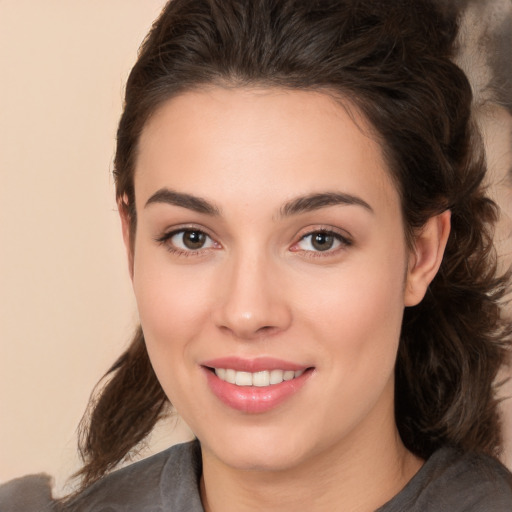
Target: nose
(252, 299)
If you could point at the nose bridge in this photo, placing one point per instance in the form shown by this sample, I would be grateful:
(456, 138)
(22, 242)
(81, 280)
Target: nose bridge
(250, 301)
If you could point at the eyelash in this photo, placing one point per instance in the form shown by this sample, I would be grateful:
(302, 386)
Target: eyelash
(166, 237)
(343, 241)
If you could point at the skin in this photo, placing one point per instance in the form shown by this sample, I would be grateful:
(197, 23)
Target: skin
(258, 287)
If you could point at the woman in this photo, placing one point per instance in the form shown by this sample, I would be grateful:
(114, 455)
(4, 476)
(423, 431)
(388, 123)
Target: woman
(300, 188)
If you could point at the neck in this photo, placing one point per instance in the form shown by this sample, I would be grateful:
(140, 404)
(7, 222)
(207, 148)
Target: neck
(358, 475)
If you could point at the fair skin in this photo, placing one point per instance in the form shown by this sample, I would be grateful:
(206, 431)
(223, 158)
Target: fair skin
(269, 237)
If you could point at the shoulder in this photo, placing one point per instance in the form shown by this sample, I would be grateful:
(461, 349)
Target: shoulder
(160, 482)
(30, 493)
(166, 481)
(456, 481)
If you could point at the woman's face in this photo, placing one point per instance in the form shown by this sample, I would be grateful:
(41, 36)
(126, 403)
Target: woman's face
(269, 246)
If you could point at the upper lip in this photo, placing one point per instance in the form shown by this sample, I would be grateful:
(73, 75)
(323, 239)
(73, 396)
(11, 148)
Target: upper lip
(258, 364)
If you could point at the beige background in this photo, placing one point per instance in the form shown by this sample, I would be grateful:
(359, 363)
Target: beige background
(66, 309)
(65, 299)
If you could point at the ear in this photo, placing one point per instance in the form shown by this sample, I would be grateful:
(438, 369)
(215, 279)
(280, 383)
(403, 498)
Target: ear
(122, 206)
(426, 256)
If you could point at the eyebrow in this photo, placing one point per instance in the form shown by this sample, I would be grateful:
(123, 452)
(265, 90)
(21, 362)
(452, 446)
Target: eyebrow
(296, 206)
(313, 202)
(194, 203)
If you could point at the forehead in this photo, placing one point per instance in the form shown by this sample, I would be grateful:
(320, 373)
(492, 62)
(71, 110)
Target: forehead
(260, 143)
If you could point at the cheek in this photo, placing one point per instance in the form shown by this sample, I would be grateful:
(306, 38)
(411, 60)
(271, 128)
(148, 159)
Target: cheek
(170, 298)
(172, 313)
(368, 286)
(353, 322)
(169, 302)
(172, 303)
(358, 313)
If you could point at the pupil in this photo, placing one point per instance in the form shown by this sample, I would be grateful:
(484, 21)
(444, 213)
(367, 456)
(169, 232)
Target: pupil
(193, 239)
(322, 241)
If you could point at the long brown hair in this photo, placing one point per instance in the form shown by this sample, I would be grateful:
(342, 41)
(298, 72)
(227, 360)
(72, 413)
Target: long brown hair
(393, 60)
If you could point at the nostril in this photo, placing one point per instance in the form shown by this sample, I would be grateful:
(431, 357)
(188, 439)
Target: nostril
(264, 316)
(266, 328)
(249, 331)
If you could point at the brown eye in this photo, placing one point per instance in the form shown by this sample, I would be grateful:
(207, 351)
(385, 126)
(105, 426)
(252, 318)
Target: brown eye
(193, 239)
(322, 241)
(188, 240)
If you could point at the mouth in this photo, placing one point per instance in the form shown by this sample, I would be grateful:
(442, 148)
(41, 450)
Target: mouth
(255, 386)
(259, 379)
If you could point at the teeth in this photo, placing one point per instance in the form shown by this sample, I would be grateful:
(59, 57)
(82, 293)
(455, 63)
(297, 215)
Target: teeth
(243, 379)
(289, 375)
(261, 379)
(276, 376)
(258, 379)
(230, 376)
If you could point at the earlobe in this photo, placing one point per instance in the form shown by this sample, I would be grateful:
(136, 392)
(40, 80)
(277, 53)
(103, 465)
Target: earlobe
(425, 259)
(122, 205)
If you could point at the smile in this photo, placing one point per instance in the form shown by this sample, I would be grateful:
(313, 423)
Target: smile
(259, 379)
(255, 386)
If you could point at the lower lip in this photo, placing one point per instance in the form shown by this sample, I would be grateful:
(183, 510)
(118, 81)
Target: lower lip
(253, 399)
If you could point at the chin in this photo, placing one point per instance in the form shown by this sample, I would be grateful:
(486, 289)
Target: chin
(258, 449)
(268, 460)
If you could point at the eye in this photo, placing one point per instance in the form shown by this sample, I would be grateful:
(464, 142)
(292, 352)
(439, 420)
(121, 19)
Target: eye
(187, 240)
(321, 241)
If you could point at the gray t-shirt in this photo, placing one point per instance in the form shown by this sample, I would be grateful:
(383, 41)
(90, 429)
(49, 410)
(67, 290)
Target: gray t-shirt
(449, 480)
